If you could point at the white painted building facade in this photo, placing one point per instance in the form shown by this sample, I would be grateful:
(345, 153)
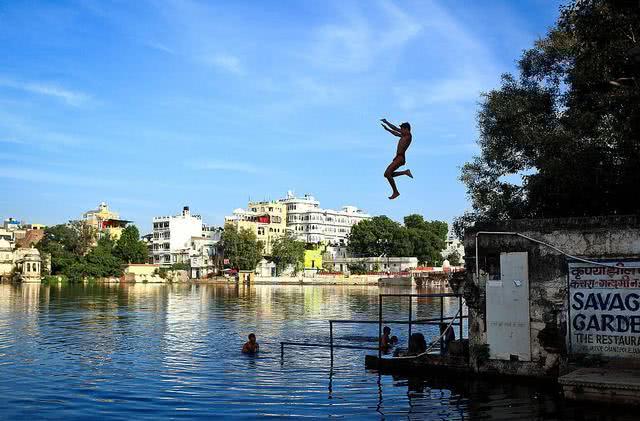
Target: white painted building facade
(172, 237)
(453, 244)
(312, 224)
(203, 253)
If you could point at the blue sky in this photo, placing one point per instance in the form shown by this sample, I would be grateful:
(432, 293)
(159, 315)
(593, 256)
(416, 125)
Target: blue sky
(152, 105)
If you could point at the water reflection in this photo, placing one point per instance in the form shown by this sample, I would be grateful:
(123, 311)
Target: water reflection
(150, 351)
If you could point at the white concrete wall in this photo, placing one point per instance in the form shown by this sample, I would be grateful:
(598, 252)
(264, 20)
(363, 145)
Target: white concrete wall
(182, 228)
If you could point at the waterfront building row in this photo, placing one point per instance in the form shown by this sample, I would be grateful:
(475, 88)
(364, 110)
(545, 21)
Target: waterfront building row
(301, 216)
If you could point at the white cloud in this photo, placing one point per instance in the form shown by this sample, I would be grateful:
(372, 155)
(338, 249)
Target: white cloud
(226, 62)
(461, 88)
(223, 166)
(17, 130)
(74, 98)
(160, 47)
(354, 43)
(37, 176)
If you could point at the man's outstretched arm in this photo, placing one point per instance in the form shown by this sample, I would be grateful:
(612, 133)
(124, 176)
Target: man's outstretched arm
(393, 132)
(397, 129)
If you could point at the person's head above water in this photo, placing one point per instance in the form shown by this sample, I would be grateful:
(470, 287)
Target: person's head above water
(252, 337)
(405, 127)
(386, 330)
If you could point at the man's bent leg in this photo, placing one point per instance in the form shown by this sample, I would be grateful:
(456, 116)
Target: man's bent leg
(389, 174)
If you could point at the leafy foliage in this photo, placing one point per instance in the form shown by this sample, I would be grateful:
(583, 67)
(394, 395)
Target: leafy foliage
(561, 125)
(357, 268)
(454, 258)
(382, 236)
(242, 248)
(287, 251)
(76, 255)
(129, 248)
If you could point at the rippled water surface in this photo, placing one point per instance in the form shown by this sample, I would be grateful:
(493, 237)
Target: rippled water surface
(152, 351)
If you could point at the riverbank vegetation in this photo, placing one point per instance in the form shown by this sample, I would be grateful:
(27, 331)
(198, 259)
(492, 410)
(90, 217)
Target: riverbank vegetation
(287, 251)
(77, 253)
(241, 248)
(381, 236)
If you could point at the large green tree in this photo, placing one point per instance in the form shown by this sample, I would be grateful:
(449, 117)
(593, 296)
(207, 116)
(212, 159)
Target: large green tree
(76, 255)
(100, 262)
(382, 236)
(287, 251)
(241, 247)
(568, 125)
(428, 238)
(129, 248)
(379, 236)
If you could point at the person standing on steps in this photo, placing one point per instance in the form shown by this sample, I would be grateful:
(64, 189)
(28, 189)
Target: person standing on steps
(404, 133)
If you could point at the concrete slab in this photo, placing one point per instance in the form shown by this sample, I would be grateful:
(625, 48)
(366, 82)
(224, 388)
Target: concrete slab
(614, 385)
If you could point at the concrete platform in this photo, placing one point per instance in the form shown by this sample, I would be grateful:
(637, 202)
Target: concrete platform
(424, 364)
(611, 385)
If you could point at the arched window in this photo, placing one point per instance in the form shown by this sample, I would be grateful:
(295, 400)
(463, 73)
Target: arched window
(28, 267)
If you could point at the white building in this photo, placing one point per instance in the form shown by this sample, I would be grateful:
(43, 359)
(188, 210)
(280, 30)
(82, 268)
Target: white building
(312, 224)
(204, 252)
(19, 264)
(453, 244)
(373, 264)
(172, 237)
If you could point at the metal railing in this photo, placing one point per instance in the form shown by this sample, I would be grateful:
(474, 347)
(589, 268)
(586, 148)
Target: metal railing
(410, 322)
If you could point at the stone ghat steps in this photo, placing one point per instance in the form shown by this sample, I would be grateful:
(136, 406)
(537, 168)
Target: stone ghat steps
(615, 385)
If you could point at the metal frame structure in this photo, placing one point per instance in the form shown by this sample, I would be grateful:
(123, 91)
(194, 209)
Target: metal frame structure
(431, 321)
(410, 322)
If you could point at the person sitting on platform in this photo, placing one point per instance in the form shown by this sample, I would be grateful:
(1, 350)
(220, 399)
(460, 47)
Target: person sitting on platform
(448, 335)
(251, 346)
(417, 344)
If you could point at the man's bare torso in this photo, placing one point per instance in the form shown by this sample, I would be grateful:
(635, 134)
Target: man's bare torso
(403, 145)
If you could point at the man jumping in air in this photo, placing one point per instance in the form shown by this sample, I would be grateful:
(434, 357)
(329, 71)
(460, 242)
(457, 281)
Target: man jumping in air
(404, 133)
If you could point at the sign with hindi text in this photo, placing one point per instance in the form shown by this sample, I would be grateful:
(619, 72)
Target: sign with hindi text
(604, 308)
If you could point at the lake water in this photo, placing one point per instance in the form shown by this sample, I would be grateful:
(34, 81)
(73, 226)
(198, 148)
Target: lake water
(173, 351)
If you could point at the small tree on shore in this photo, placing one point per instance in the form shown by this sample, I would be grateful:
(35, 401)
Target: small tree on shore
(129, 248)
(454, 258)
(287, 251)
(242, 247)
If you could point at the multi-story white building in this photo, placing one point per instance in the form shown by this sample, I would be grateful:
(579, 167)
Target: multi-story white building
(204, 252)
(312, 224)
(452, 245)
(172, 237)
